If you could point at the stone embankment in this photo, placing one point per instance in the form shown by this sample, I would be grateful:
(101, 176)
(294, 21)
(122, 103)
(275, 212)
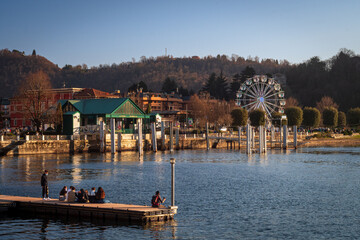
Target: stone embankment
(22, 147)
(92, 144)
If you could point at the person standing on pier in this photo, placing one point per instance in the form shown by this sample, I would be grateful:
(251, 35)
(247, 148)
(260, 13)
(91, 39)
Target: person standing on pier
(44, 185)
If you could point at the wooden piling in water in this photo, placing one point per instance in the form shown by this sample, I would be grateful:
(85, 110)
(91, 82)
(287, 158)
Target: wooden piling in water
(239, 136)
(102, 137)
(295, 136)
(140, 137)
(272, 137)
(285, 135)
(162, 135)
(112, 127)
(153, 137)
(177, 138)
(171, 143)
(119, 138)
(207, 136)
(248, 138)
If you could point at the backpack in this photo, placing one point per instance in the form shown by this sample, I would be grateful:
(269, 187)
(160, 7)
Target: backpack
(154, 201)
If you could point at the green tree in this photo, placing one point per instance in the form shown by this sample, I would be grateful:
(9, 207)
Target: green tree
(353, 117)
(311, 117)
(148, 109)
(341, 119)
(169, 86)
(235, 85)
(137, 86)
(210, 85)
(257, 117)
(276, 119)
(239, 117)
(330, 117)
(294, 116)
(248, 72)
(221, 87)
(33, 53)
(183, 91)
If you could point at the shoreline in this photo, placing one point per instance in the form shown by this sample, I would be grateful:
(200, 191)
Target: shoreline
(85, 146)
(331, 142)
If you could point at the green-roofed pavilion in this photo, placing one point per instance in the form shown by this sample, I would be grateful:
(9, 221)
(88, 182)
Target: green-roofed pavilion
(92, 111)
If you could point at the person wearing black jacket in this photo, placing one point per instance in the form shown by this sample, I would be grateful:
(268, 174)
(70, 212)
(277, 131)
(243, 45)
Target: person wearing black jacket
(44, 185)
(82, 196)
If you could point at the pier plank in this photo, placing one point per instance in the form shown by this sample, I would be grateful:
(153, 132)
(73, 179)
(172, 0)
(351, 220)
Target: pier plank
(110, 210)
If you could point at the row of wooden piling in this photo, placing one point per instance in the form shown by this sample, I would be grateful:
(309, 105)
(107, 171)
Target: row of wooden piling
(262, 136)
(249, 137)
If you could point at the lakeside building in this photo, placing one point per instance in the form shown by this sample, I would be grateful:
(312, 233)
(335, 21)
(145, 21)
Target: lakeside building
(18, 105)
(170, 106)
(88, 113)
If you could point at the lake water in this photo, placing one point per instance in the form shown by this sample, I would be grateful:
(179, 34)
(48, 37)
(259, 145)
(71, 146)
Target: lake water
(310, 193)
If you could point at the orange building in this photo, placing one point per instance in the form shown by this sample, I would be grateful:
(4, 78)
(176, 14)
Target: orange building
(159, 102)
(169, 106)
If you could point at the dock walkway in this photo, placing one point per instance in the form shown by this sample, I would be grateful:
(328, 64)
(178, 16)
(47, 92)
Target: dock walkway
(106, 211)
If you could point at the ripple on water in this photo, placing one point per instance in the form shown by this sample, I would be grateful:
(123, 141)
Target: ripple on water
(307, 193)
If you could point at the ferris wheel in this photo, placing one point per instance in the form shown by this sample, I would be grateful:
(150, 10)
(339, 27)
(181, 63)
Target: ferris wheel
(261, 92)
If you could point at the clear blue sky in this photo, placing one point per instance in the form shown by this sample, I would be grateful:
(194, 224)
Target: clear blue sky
(105, 32)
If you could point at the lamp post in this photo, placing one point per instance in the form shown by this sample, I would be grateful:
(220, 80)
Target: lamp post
(172, 162)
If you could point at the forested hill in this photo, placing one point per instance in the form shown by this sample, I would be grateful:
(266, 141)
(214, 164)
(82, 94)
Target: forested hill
(189, 73)
(15, 66)
(338, 77)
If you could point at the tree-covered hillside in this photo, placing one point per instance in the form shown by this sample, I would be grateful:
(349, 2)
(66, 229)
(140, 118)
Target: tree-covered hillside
(15, 66)
(308, 82)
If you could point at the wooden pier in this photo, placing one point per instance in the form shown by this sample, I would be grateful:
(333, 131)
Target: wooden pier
(115, 212)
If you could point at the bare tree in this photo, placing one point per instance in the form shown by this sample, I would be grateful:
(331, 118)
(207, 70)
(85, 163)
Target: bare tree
(35, 93)
(291, 102)
(199, 110)
(215, 112)
(325, 102)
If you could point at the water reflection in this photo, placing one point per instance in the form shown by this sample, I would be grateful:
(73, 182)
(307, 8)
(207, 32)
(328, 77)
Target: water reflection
(48, 227)
(158, 229)
(44, 225)
(220, 194)
(264, 159)
(76, 171)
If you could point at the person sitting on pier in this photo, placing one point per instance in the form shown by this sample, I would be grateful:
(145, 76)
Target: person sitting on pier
(157, 200)
(63, 194)
(100, 195)
(82, 197)
(72, 195)
(92, 195)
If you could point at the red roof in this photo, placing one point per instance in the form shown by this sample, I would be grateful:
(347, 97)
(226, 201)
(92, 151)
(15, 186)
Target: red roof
(89, 93)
